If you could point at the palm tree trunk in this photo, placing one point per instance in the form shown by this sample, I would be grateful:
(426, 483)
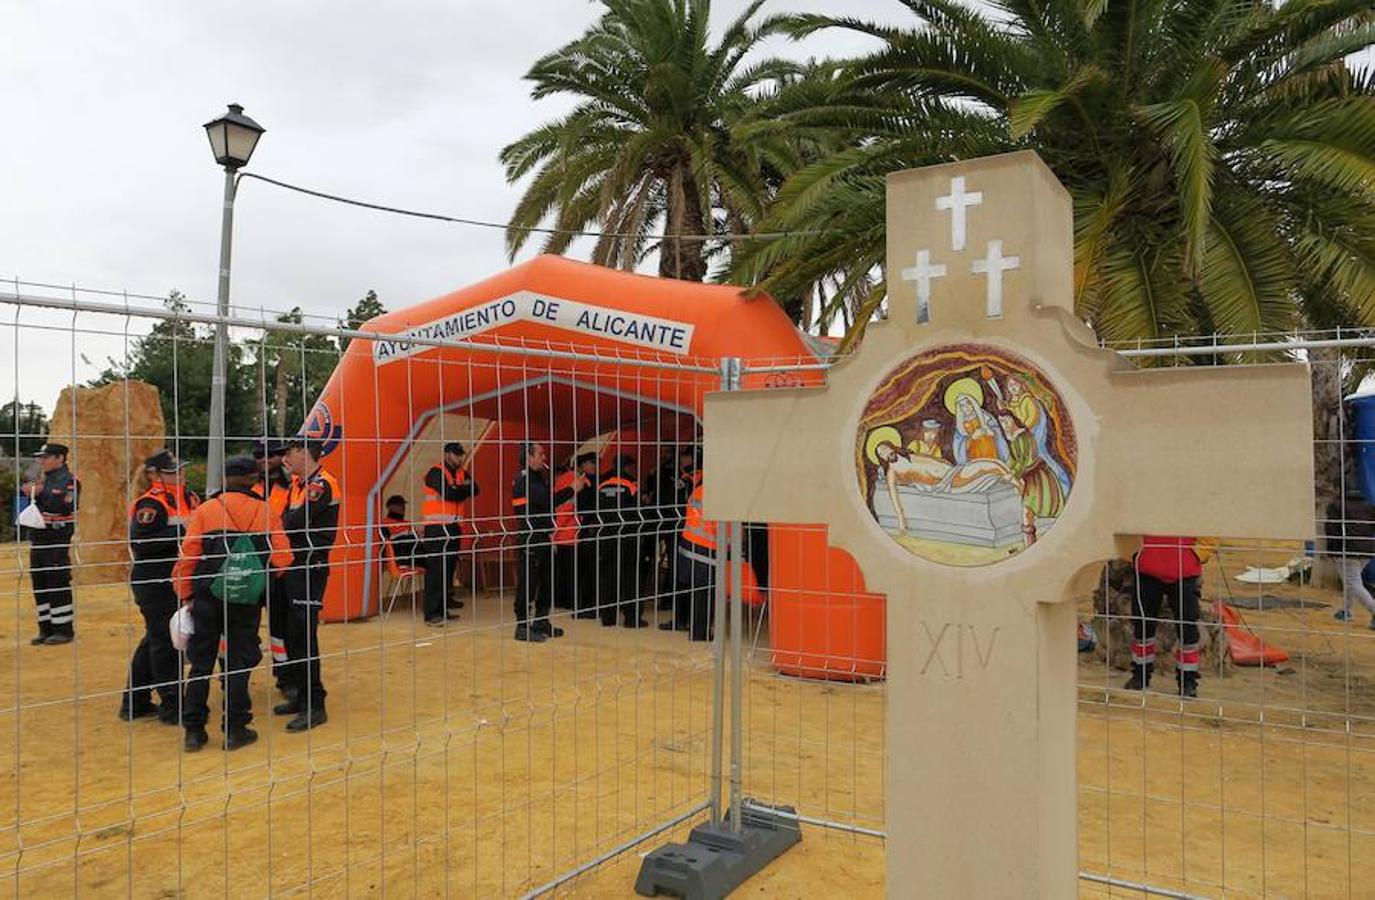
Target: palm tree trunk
(683, 258)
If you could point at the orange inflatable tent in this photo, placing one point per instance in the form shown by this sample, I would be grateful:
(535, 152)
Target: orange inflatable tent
(562, 352)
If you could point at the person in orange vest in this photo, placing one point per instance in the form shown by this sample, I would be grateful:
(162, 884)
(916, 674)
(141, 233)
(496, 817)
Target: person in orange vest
(399, 531)
(1168, 568)
(311, 523)
(534, 500)
(618, 508)
(447, 491)
(564, 576)
(585, 504)
(696, 570)
(274, 486)
(232, 541)
(157, 522)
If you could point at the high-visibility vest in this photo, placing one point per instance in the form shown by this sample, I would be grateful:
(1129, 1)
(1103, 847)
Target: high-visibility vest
(178, 506)
(697, 530)
(565, 514)
(395, 530)
(438, 511)
(277, 497)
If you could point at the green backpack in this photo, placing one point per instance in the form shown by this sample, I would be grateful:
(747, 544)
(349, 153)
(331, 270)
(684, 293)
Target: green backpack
(243, 577)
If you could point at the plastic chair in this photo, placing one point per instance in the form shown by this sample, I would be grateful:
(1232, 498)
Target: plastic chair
(400, 575)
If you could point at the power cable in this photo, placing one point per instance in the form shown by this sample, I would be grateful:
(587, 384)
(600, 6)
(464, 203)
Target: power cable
(480, 223)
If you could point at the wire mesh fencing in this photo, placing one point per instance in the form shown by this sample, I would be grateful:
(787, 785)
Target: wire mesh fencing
(503, 706)
(528, 664)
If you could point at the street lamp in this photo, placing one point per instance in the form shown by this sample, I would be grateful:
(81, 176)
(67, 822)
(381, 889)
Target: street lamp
(233, 137)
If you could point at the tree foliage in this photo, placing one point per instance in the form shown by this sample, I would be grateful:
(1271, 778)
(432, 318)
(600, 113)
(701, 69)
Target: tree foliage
(23, 428)
(665, 136)
(177, 357)
(1220, 153)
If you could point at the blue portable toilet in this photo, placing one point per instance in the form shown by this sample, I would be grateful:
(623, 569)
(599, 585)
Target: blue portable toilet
(1362, 430)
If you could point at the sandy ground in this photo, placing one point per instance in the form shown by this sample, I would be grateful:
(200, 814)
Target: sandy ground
(460, 763)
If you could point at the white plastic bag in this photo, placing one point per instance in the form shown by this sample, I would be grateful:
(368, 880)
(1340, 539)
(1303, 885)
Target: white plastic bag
(30, 517)
(181, 627)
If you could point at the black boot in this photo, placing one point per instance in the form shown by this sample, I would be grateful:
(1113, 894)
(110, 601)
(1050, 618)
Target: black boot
(1188, 683)
(1141, 677)
(546, 628)
(306, 720)
(240, 736)
(196, 738)
(531, 634)
(287, 707)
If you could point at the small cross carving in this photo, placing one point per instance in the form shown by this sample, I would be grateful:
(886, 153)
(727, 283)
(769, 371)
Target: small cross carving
(922, 273)
(994, 265)
(957, 202)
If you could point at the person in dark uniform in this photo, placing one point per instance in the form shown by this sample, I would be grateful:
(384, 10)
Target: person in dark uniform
(399, 531)
(534, 500)
(232, 541)
(585, 564)
(447, 491)
(696, 572)
(311, 522)
(655, 493)
(57, 495)
(274, 486)
(157, 523)
(619, 508)
(675, 499)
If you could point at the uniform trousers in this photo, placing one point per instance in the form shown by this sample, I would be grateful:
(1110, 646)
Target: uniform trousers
(1183, 596)
(305, 590)
(238, 623)
(442, 550)
(156, 664)
(697, 586)
(620, 579)
(50, 567)
(534, 565)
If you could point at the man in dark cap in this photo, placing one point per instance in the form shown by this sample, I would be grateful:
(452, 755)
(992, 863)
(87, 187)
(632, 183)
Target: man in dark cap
(156, 526)
(447, 491)
(56, 495)
(618, 507)
(233, 544)
(311, 523)
(274, 486)
(534, 501)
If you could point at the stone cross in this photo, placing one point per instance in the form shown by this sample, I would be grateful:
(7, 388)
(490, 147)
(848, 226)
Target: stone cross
(1050, 455)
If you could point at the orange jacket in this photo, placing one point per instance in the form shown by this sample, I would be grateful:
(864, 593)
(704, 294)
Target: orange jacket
(697, 528)
(240, 511)
(565, 514)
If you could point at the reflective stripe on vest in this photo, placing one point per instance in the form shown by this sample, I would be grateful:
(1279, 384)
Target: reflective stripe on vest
(618, 481)
(686, 551)
(438, 511)
(697, 529)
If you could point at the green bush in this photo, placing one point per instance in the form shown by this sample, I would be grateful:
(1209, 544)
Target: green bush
(7, 491)
(195, 476)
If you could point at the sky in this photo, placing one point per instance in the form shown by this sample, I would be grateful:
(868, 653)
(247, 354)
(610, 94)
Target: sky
(106, 178)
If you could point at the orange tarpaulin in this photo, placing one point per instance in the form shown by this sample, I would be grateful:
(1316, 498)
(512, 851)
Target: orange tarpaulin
(383, 393)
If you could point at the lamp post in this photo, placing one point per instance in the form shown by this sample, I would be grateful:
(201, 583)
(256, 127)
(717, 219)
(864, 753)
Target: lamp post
(233, 136)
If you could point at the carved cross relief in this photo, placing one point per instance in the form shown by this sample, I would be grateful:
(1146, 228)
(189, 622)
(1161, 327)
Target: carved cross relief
(979, 458)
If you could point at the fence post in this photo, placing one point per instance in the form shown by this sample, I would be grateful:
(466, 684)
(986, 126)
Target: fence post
(730, 381)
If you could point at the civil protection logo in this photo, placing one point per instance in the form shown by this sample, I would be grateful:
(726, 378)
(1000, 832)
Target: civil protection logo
(320, 427)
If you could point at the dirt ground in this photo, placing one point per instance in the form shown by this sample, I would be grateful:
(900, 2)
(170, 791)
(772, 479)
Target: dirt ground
(460, 763)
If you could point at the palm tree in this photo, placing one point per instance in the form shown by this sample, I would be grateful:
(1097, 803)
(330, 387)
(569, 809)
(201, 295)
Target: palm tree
(1220, 153)
(654, 140)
